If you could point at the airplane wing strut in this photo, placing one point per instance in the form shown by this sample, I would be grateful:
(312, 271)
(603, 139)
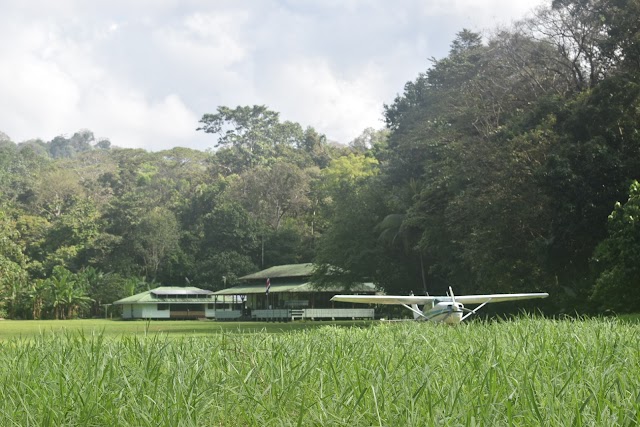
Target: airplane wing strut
(418, 312)
(475, 309)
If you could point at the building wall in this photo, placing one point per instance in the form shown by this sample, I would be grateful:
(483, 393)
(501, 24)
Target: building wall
(150, 311)
(126, 311)
(137, 310)
(144, 311)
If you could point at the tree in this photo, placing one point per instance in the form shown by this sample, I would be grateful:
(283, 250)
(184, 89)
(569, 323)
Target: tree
(275, 195)
(19, 173)
(395, 230)
(229, 227)
(595, 38)
(271, 192)
(348, 170)
(251, 135)
(222, 269)
(617, 258)
(66, 293)
(622, 44)
(61, 147)
(348, 252)
(56, 191)
(369, 139)
(13, 264)
(156, 238)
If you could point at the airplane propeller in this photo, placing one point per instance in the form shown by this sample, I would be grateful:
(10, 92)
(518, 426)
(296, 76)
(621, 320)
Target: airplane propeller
(454, 305)
(453, 297)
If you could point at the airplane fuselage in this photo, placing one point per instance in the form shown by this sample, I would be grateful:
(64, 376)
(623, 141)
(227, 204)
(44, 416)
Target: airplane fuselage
(447, 312)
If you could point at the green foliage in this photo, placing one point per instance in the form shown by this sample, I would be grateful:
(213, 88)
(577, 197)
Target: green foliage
(107, 222)
(274, 193)
(505, 158)
(222, 269)
(347, 170)
(156, 237)
(13, 274)
(351, 250)
(251, 135)
(617, 258)
(66, 293)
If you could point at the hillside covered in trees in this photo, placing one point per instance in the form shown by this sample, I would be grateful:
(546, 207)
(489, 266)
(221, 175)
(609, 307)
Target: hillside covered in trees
(509, 165)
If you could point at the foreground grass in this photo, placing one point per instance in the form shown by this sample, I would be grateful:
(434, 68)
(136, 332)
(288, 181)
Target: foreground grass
(525, 372)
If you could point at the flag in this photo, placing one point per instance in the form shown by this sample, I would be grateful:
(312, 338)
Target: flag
(268, 285)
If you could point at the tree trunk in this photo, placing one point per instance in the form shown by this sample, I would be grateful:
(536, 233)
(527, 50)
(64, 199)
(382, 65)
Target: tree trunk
(424, 279)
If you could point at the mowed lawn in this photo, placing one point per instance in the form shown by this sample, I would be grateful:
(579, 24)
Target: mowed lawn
(522, 372)
(173, 328)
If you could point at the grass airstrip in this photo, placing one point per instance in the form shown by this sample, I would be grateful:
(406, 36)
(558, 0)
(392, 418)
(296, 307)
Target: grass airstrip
(171, 328)
(527, 371)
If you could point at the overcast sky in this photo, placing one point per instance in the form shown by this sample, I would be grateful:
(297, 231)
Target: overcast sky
(142, 72)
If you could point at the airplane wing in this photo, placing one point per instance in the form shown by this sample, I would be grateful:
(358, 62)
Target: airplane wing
(480, 299)
(465, 299)
(384, 299)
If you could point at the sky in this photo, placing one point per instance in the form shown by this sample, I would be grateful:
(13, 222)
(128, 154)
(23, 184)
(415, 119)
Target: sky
(141, 73)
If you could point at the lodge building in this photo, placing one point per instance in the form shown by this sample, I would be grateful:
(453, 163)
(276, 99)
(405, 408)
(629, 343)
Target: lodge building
(291, 296)
(168, 302)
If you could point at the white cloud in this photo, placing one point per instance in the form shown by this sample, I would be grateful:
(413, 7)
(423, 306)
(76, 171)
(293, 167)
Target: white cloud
(345, 105)
(210, 40)
(53, 84)
(142, 73)
(134, 122)
(36, 91)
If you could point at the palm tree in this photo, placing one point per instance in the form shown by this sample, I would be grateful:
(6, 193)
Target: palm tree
(54, 295)
(75, 299)
(35, 294)
(66, 293)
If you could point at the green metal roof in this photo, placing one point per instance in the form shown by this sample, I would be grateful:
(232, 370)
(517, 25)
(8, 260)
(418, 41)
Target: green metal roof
(289, 270)
(292, 287)
(173, 290)
(151, 296)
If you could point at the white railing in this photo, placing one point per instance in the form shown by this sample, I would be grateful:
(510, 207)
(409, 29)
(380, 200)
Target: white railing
(274, 314)
(227, 315)
(297, 313)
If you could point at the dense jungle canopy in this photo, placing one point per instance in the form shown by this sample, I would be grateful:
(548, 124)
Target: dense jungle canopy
(509, 165)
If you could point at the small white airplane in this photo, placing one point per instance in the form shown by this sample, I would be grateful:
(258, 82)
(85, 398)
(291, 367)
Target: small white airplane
(448, 309)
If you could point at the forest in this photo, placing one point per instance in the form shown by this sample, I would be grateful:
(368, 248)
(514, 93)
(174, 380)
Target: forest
(510, 165)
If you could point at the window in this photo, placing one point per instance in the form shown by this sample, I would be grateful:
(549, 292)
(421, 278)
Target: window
(162, 307)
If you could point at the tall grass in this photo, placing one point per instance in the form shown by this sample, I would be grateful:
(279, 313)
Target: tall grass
(525, 372)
